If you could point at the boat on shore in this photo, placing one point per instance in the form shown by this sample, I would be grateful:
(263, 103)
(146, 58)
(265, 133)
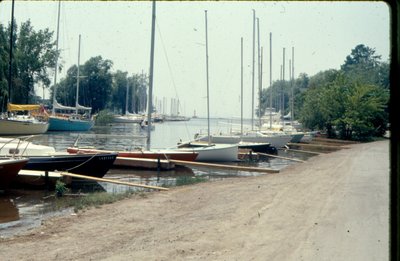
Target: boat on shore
(274, 139)
(144, 154)
(9, 168)
(209, 151)
(94, 165)
(22, 147)
(45, 158)
(263, 147)
(213, 152)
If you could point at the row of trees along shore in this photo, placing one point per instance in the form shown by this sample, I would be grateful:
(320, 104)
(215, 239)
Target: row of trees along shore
(349, 103)
(34, 59)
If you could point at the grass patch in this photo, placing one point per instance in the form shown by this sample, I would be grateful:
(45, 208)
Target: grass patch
(90, 200)
(185, 180)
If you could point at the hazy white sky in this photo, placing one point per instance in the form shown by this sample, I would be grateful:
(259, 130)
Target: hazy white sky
(322, 34)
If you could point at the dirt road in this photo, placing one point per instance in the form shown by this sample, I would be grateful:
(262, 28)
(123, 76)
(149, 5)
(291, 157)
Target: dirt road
(332, 207)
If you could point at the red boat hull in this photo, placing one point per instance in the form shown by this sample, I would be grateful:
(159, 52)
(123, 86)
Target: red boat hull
(166, 154)
(9, 169)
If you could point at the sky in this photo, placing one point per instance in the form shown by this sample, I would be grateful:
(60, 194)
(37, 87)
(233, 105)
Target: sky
(321, 34)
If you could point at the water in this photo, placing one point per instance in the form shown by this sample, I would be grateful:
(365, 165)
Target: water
(21, 209)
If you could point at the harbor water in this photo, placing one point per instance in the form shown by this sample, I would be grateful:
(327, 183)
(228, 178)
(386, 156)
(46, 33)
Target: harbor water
(25, 208)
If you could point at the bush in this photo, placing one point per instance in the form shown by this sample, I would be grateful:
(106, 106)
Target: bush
(104, 117)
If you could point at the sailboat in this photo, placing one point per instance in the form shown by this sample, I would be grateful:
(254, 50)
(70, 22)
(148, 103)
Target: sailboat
(128, 117)
(211, 151)
(46, 158)
(69, 121)
(15, 123)
(173, 154)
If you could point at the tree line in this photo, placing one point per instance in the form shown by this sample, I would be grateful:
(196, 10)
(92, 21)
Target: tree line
(33, 63)
(349, 103)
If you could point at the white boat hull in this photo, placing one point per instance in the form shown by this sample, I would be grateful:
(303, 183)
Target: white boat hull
(277, 141)
(128, 119)
(16, 127)
(215, 152)
(17, 147)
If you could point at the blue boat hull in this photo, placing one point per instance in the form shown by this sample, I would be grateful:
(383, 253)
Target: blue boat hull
(65, 124)
(94, 165)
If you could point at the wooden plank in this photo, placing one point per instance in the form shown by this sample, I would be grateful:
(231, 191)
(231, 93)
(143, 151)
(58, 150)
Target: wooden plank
(337, 147)
(304, 151)
(334, 140)
(223, 166)
(279, 157)
(111, 181)
(143, 163)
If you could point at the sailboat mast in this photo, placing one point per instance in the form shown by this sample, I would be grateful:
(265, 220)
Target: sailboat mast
(260, 89)
(241, 86)
(259, 70)
(283, 83)
(270, 80)
(208, 92)
(126, 96)
(56, 65)
(150, 98)
(252, 82)
(77, 78)
(292, 81)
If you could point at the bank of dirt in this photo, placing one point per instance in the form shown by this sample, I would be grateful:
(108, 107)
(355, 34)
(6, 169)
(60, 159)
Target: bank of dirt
(333, 207)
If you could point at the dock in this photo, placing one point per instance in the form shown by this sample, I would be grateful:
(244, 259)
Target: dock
(40, 178)
(142, 163)
(223, 166)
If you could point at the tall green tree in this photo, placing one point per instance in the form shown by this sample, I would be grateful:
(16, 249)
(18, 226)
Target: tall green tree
(97, 83)
(365, 112)
(66, 88)
(4, 50)
(119, 87)
(35, 55)
(361, 56)
(140, 85)
(346, 108)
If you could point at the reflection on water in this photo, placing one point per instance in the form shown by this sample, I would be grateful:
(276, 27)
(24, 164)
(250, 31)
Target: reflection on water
(8, 210)
(25, 208)
(21, 210)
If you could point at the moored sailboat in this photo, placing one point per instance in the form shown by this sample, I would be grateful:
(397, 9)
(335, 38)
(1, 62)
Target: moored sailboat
(45, 158)
(27, 124)
(209, 151)
(69, 121)
(11, 123)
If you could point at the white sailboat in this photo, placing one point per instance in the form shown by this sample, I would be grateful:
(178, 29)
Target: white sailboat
(14, 123)
(274, 138)
(71, 121)
(128, 117)
(209, 151)
(27, 124)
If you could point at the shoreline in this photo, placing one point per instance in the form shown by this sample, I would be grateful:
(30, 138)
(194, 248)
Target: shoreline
(334, 206)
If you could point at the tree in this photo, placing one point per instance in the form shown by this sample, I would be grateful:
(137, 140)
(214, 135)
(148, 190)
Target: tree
(120, 80)
(3, 67)
(361, 56)
(365, 112)
(35, 53)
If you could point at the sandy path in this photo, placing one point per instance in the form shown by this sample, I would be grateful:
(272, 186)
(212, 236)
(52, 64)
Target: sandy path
(333, 207)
